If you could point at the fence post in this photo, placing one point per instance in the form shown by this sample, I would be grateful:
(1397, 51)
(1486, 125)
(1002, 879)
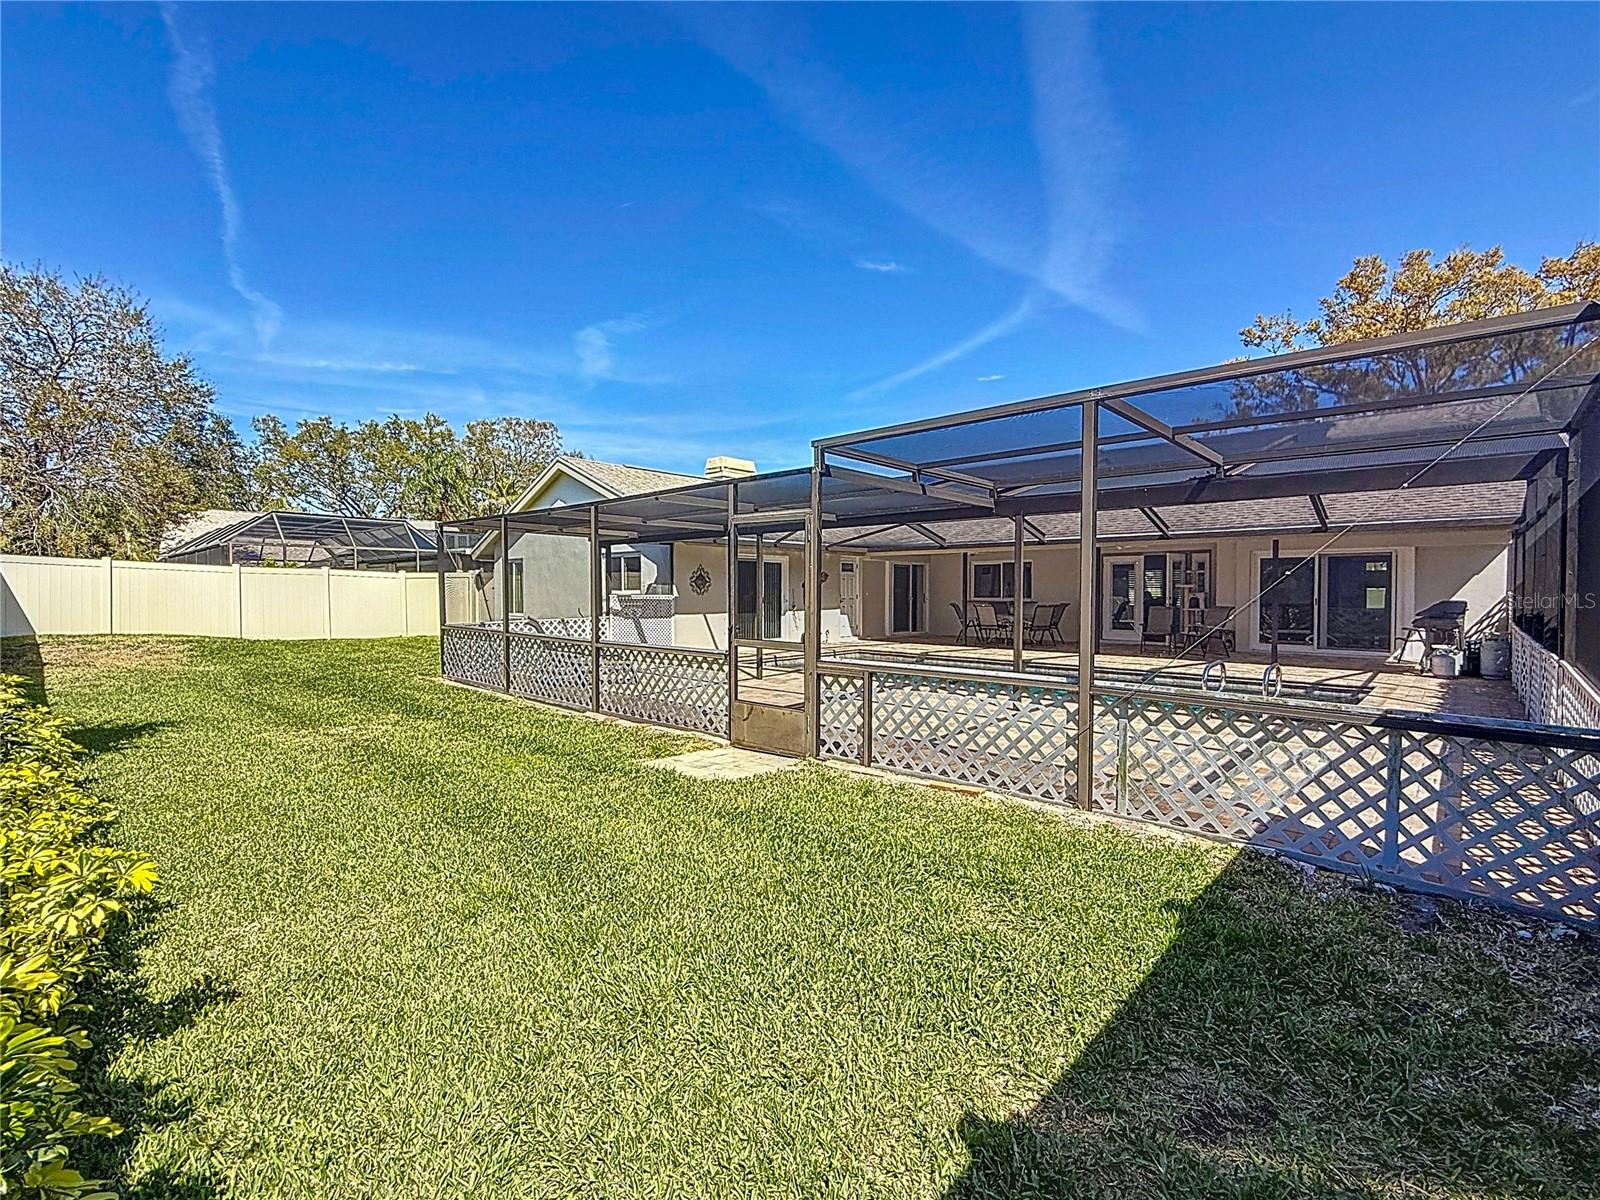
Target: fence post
(1391, 805)
(238, 594)
(111, 594)
(505, 604)
(1119, 798)
(866, 719)
(327, 612)
(594, 606)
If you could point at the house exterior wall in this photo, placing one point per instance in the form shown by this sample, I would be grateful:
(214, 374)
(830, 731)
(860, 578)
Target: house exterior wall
(702, 620)
(555, 574)
(1430, 565)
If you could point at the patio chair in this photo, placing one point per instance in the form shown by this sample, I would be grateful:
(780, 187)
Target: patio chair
(992, 626)
(1038, 627)
(1217, 631)
(1161, 624)
(1053, 629)
(968, 623)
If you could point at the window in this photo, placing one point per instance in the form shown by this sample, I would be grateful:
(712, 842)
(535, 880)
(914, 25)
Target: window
(627, 573)
(515, 567)
(997, 580)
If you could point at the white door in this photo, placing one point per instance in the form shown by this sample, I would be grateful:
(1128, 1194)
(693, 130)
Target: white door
(850, 597)
(1121, 607)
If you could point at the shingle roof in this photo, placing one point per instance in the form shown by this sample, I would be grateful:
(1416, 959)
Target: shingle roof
(1473, 503)
(623, 479)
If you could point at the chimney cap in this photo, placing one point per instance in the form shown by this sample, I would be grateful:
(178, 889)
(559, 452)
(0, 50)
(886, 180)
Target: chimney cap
(723, 466)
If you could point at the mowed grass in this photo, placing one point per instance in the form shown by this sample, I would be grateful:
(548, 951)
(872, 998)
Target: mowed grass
(419, 941)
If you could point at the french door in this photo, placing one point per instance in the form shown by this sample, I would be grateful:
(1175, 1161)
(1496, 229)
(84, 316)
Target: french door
(1123, 608)
(850, 596)
(908, 597)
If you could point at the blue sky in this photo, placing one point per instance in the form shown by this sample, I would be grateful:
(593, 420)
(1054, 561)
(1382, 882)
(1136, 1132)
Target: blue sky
(682, 231)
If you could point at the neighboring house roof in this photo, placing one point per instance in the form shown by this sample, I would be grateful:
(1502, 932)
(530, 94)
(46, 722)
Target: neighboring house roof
(608, 480)
(198, 524)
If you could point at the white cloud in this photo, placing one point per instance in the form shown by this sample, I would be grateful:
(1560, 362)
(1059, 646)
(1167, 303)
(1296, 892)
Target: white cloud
(593, 344)
(1075, 135)
(886, 265)
(989, 378)
(999, 327)
(189, 92)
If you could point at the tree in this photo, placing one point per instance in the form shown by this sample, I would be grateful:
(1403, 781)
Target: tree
(504, 456)
(316, 467)
(401, 466)
(103, 439)
(1419, 292)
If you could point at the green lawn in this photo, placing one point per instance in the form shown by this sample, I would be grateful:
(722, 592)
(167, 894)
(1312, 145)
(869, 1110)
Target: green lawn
(418, 941)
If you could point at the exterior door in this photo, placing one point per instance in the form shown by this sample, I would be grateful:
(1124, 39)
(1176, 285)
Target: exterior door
(1358, 601)
(908, 591)
(850, 597)
(1122, 609)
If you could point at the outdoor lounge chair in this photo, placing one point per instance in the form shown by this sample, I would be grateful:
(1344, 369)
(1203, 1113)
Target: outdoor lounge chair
(968, 621)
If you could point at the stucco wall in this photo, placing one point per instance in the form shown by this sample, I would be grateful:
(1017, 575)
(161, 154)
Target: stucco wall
(1430, 565)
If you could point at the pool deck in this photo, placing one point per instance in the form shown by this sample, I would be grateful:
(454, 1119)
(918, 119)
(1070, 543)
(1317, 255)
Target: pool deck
(1365, 681)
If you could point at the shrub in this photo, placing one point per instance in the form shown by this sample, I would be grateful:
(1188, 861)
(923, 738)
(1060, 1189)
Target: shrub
(61, 890)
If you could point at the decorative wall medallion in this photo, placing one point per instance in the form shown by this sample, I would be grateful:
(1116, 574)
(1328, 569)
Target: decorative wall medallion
(700, 580)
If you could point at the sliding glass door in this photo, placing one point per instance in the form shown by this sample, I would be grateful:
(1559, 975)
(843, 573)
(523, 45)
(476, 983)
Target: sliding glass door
(908, 590)
(1332, 601)
(1358, 601)
(1288, 601)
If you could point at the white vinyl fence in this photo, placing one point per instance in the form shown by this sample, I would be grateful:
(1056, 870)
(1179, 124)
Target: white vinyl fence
(103, 595)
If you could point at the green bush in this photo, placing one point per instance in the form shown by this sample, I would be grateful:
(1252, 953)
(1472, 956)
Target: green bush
(61, 891)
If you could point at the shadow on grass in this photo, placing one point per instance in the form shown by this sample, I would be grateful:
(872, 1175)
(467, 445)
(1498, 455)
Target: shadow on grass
(103, 739)
(1311, 1039)
(124, 1014)
(22, 656)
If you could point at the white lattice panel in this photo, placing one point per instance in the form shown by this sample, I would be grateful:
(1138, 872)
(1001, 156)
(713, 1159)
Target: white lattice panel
(1305, 784)
(472, 656)
(665, 687)
(552, 671)
(843, 700)
(1011, 737)
(1508, 822)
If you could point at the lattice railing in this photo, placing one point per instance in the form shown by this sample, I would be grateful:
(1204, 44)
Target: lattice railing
(552, 670)
(1497, 811)
(842, 705)
(1508, 822)
(472, 655)
(1295, 782)
(1509, 818)
(1013, 737)
(1552, 689)
(678, 687)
